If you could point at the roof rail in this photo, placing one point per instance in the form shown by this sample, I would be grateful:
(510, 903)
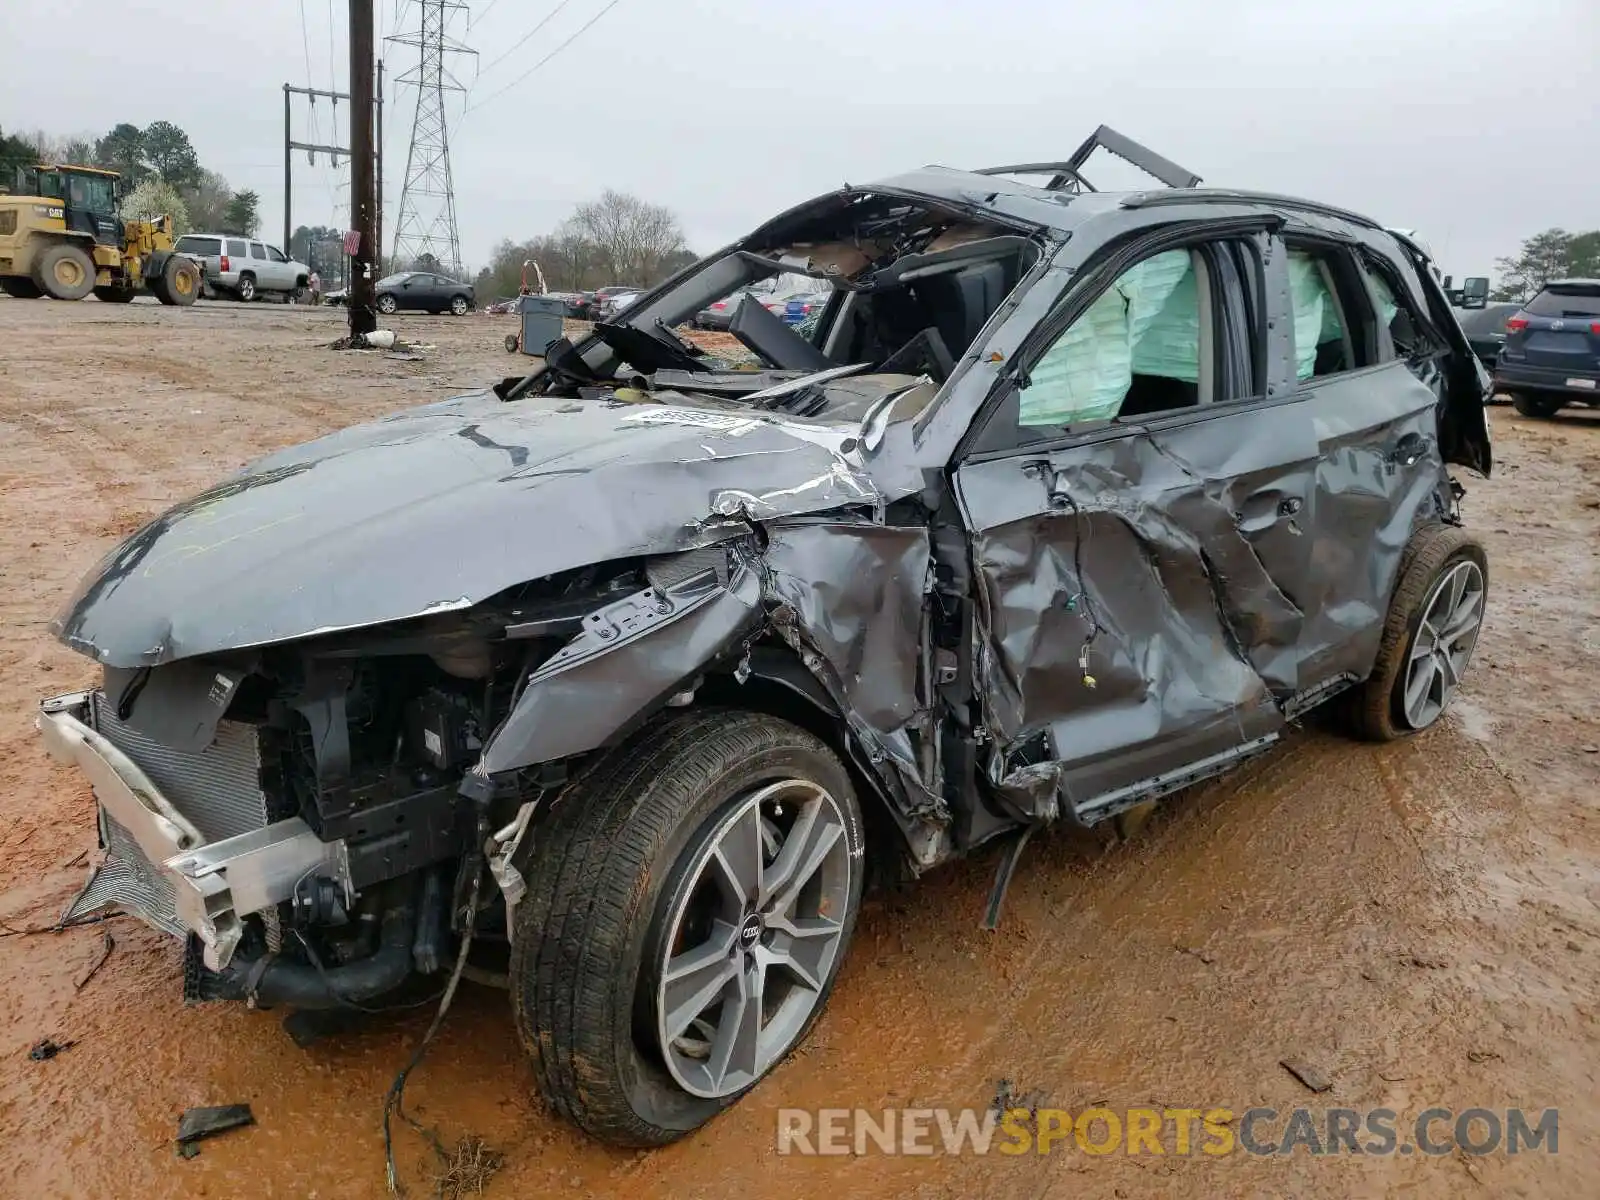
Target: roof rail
(1240, 196)
(1069, 176)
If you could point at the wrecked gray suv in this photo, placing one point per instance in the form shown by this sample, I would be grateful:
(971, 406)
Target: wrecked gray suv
(627, 669)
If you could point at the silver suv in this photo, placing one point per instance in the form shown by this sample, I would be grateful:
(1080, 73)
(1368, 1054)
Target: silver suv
(244, 267)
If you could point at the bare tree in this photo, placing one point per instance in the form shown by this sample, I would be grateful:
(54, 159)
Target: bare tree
(631, 237)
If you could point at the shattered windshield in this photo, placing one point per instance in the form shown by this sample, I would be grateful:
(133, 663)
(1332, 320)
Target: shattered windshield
(851, 289)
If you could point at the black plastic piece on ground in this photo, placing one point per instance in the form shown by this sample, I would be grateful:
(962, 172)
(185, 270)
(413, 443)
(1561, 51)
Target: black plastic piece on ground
(47, 1048)
(199, 1123)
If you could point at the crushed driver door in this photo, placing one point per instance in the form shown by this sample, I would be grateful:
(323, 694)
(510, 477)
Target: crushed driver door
(1138, 579)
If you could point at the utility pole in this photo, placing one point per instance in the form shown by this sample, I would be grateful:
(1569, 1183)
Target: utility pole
(290, 145)
(288, 170)
(363, 177)
(377, 154)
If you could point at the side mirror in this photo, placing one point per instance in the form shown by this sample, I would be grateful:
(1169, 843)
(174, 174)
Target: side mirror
(1475, 291)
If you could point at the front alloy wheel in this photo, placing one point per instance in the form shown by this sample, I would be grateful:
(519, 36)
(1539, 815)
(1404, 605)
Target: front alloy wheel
(458, 306)
(753, 935)
(689, 902)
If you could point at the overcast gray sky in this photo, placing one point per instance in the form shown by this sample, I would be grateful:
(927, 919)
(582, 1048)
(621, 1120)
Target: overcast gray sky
(1475, 122)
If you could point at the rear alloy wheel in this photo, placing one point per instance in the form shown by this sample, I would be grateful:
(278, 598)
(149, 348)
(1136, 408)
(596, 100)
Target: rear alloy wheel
(386, 304)
(247, 288)
(1428, 639)
(688, 906)
(65, 272)
(1531, 405)
(458, 306)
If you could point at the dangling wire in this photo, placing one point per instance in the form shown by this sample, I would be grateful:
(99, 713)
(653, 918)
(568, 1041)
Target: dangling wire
(393, 1101)
(1078, 601)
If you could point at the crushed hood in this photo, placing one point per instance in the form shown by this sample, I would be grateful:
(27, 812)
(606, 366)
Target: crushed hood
(439, 508)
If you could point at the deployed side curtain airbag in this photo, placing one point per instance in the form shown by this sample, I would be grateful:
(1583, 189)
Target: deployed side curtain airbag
(1316, 316)
(1147, 322)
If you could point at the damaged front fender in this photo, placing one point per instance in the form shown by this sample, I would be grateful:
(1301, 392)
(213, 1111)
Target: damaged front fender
(630, 657)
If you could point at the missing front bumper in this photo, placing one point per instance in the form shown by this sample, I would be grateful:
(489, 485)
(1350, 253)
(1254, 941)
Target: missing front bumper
(157, 865)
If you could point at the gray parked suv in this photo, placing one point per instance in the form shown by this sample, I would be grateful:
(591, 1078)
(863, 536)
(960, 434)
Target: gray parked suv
(243, 267)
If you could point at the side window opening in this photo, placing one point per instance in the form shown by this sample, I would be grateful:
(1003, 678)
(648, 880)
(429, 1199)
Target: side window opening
(1332, 330)
(1135, 350)
(237, 248)
(275, 254)
(257, 251)
(1396, 314)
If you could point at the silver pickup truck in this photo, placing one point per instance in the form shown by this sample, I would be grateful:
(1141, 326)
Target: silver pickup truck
(243, 268)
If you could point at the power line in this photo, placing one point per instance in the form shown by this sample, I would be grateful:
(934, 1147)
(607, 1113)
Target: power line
(517, 45)
(316, 130)
(580, 32)
(305, 41)
(333, 73)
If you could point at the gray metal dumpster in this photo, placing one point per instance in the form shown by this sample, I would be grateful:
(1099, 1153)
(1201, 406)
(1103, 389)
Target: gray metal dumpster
(541, 322)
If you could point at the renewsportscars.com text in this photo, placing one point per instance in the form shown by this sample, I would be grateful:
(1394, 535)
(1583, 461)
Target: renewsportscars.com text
(1210, 1132)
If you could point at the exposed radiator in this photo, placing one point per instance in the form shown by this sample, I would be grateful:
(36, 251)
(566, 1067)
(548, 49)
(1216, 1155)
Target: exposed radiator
(219, 790)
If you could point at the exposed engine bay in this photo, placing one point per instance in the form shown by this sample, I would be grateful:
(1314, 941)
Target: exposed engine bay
(356, 746)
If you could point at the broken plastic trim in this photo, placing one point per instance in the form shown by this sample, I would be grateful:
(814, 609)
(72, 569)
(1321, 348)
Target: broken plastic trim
(630, 656)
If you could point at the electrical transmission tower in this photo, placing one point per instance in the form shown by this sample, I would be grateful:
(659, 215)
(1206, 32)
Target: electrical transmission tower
(427, 221)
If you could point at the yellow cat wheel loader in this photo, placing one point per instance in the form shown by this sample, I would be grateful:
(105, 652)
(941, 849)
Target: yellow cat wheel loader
(60, 236)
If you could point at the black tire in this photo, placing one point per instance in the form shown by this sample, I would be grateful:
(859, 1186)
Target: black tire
(115, 295)
(386, 304)
(64, 272)
(1375, 707)
(1533, 405)
(605, 867)
(459, 306)
(19, 288)
(180, 283)
(246, 288)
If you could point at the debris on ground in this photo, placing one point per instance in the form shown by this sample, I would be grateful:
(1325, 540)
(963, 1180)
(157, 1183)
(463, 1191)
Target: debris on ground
(472, 1166)
(197, 1124)
(1007, 1098)
(47, 1048)
(1306, 1074)
(107, 945)
(385, 340)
